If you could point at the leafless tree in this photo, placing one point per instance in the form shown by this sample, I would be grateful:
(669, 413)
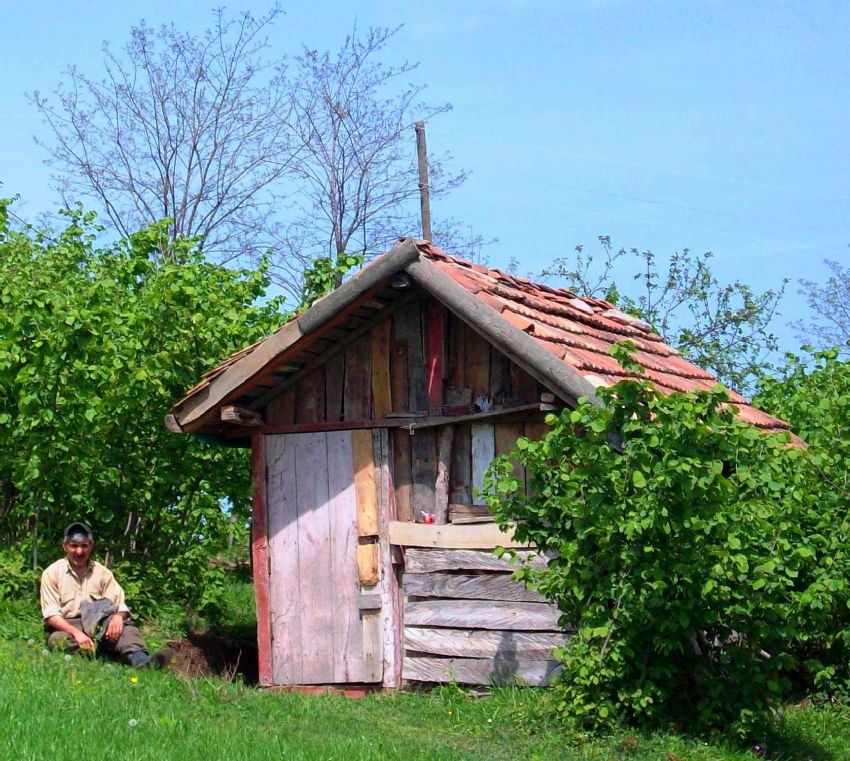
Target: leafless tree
(312, 157)
(353, 122)
(829, 302)
(193, 128)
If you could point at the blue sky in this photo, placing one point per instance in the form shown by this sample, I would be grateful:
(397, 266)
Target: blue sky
(715, 126)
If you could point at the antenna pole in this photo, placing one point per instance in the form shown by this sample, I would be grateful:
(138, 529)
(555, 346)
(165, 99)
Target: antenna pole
(424, 193)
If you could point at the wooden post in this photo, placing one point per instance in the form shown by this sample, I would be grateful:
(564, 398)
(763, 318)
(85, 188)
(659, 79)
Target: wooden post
(424, 192)
(260, 558)
(441, 487)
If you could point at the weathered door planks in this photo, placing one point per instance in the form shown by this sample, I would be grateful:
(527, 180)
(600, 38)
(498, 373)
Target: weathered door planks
(391, 644)
(402, 474)
(407, 328)
(485, 586)
(310, 398)
(456, 352)
(314, 541)
(320, 634)
(348, 630)
(428, 560)
(364, 483)
(534, 673)
(483, 452)
(477, 364)
(334, 385)
(285, 591)
(358, 380)
(478, 643)
(423, 471)
(381, 386)
(399, 384)
(482, 614)
(460, 475)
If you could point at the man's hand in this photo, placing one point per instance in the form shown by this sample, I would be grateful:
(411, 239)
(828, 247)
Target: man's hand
(114, 627)
(83, 640)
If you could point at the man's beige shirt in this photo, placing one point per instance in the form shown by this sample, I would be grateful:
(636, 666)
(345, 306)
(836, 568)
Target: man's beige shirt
(62, 591)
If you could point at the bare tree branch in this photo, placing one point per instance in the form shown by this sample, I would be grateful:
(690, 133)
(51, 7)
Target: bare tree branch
(193, 128)
(724, 328)
(354, 130)
(830, 305)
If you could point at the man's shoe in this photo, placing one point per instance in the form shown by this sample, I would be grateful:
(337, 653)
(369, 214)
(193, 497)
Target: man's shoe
(139, 659)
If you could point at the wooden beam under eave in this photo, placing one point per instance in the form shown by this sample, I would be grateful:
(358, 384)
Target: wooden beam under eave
(172, 425)
(241, 416)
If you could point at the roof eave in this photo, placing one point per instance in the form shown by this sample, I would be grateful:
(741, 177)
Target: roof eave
(517, 345)
(189, 414)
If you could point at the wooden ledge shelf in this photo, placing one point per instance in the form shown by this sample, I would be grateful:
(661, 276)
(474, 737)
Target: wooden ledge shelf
(477, 417)
(486, 536)
(411, 422)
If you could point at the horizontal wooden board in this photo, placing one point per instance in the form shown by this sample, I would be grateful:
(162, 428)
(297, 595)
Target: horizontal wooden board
(482, 614)
(469, 509)
(471, 519)
(484, 536)
(477, 643)
(487, 586)
(480, 671)
(428, 560)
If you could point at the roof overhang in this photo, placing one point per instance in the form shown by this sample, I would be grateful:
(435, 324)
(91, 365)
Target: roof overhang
(199, 410)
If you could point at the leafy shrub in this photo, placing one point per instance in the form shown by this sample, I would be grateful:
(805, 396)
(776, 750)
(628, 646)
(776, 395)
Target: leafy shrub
(687, 548)
(16, 579)
(814, 397)
(95, 345)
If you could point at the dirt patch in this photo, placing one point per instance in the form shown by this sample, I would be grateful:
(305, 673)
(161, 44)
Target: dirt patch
(207, 654)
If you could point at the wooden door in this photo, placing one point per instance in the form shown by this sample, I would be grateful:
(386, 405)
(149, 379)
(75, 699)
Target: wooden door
(331, 582)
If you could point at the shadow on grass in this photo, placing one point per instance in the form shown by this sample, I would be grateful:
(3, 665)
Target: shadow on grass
(789, 743)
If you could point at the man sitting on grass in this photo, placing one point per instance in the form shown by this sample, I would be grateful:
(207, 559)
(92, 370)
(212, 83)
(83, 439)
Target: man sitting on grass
(83, 606)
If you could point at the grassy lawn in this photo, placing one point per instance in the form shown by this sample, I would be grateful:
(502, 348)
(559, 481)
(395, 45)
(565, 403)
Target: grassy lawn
(55, 706)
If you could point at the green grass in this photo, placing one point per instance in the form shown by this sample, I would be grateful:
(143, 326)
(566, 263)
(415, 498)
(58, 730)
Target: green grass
(53, 706)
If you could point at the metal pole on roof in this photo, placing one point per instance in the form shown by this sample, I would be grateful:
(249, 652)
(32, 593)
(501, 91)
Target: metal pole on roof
(424, 194)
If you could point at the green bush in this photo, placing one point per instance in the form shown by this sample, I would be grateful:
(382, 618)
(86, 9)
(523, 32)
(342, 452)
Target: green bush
(16, 579)
(814, 397)
(96, 343)
(688, 550)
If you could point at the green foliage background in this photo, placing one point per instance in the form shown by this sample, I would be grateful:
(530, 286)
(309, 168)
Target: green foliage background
(694, 555)
(96, 343)
(813, 394)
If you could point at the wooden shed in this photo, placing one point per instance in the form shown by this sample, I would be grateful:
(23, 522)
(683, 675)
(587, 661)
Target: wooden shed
(376, 412)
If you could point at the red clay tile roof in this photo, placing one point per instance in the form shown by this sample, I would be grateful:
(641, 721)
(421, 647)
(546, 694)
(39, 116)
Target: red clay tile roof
(581, 331)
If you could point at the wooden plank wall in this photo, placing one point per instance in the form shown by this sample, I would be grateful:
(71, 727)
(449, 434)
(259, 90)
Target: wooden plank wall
(331, 602)
(419, 360)
(466, 620)
(398, 367)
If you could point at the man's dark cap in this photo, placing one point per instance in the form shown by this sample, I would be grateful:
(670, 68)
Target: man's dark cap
(77, 530)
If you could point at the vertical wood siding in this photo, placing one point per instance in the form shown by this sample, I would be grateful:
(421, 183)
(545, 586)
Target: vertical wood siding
(324, 498)
(417, 360)
(423, 360)
(260, 558)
